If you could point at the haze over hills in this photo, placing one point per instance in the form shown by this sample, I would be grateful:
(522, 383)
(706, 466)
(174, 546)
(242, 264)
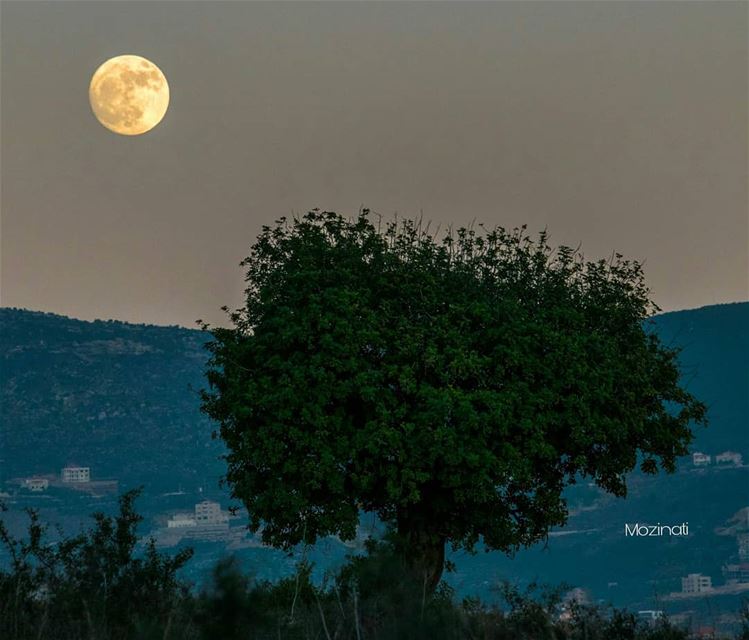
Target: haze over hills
(123, 400)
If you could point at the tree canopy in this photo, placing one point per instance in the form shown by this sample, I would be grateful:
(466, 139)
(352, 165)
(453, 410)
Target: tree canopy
(452, 383)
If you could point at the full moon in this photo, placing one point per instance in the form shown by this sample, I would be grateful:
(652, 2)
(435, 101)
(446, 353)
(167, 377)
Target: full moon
(129, 95)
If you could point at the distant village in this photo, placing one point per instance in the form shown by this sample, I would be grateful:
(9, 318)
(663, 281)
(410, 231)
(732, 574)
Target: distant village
(71, 477)
(725, 459)
(735, 574)
(206, 522)
(77, 477)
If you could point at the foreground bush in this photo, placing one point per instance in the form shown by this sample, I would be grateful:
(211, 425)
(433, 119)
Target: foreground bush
(95, 586)
(91, 585)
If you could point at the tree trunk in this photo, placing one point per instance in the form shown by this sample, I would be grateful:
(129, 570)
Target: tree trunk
(423, 549)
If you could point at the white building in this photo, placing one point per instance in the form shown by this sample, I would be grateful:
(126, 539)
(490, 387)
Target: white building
(736, 573)
(650, 616)
(181, 520)
(696, 583)
(209, 513)
(76, 474)
(729, 457)
(207, 516)
(700, 459)
(743, 541)
(36, 484)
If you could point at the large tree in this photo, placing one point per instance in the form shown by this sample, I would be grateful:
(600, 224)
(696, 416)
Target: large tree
(453, 384)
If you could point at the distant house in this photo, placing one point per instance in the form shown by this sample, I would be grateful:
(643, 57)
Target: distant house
(700, 459)
(696, 583)
(743, 541)
(181, 520)
(650, 616)
(36, 484)
(76, 475)
(209, 513)
(729, 457)
(736, 573)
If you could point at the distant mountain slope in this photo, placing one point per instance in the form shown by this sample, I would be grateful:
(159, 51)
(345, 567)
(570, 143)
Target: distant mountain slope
(121, 398)
(715, 361)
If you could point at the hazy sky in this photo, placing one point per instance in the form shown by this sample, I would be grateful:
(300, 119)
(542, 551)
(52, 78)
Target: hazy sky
(620, 125)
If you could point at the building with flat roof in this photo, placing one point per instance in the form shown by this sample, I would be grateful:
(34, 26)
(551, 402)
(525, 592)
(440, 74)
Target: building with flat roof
(700, 459)
(181, 520)
(736, 573)
(651, 616)
(696, 583)
(75, 475)
(208, 512)
(729, 457)
(742, 540)
(36, 484)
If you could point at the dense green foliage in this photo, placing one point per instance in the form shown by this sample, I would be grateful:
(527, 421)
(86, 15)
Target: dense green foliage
(95, 586)
(453, 386)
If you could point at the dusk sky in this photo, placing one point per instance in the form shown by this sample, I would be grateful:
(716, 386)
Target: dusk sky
(621, 126)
